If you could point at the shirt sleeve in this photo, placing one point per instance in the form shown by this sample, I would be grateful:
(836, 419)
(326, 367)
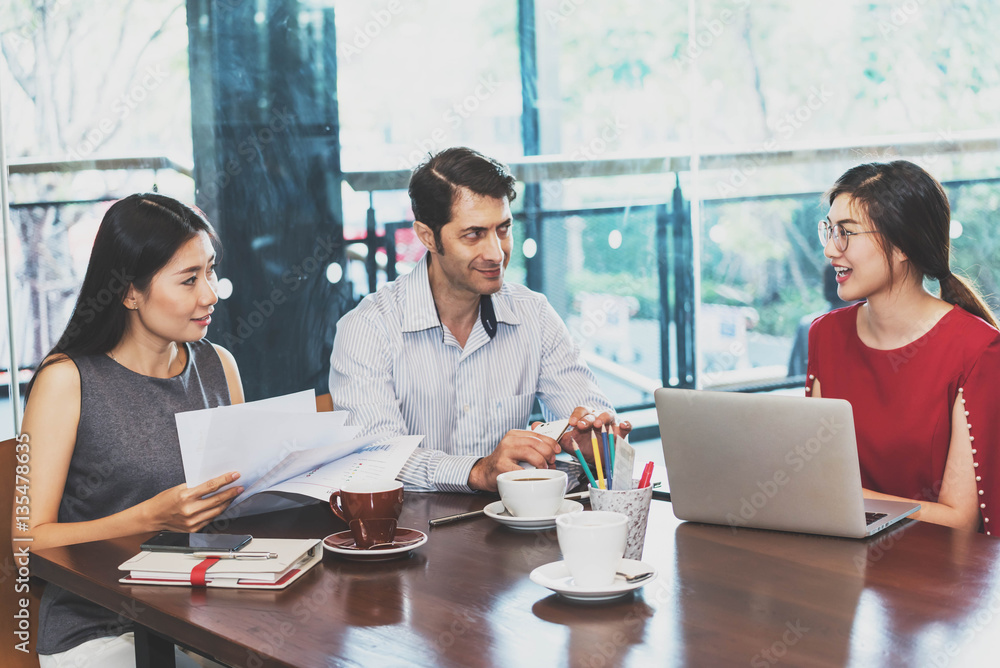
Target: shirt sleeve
(979, 392)
(813, 350)
(361, 383)
(565, 382)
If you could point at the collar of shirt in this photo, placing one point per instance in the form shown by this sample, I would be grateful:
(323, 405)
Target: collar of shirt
(420, 313)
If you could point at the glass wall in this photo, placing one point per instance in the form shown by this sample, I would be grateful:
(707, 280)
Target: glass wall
(672, 157)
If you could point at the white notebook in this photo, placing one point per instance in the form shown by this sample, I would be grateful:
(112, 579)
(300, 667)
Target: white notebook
(295, 557)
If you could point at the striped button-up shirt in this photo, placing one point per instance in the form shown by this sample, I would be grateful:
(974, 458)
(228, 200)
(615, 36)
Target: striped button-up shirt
(398, 370)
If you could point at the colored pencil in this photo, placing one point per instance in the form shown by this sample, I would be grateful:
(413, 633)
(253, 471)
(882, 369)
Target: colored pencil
(597, 458)
(611, 444)
(606, 450)
(583, 463)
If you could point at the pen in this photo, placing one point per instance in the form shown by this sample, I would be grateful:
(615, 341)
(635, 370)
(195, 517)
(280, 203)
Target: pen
(597, 458)
(235, 555)
(647, 474)
(448, 519)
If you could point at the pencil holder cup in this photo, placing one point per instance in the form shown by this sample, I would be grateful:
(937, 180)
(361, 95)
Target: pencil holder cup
(634, 504)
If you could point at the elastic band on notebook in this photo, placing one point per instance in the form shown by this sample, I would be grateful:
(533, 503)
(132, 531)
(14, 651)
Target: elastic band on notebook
(199, 571)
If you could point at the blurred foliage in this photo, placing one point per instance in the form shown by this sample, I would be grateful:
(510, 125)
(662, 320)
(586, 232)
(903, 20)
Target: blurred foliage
(976, 253)
(623, 284)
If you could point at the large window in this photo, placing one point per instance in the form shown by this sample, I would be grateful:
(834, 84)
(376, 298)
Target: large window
(672, 157)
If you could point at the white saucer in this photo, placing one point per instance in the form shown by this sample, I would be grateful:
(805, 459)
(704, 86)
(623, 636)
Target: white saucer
(498, 512)
(342, 543)
(555, 576)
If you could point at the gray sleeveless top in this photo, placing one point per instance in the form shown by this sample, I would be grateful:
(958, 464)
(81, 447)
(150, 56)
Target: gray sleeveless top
(126, 452)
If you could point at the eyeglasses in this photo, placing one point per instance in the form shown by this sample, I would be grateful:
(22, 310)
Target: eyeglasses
(839, 235)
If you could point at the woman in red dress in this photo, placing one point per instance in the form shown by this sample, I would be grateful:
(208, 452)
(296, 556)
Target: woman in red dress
(920, 371)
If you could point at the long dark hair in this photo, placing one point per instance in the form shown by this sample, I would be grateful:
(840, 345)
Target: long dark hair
(138, 236)
(910, 210)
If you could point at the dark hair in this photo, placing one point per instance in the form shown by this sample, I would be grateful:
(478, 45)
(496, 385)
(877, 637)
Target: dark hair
(909, 209)
(437, 183)
(137, 237)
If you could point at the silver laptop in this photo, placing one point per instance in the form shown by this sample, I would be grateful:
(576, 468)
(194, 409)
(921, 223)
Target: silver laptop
(768, 462)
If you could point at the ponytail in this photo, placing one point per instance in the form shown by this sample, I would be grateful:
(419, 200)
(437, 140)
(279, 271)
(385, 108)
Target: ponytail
(957, 290)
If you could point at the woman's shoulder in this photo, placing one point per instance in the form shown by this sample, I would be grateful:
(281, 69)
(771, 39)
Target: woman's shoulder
(971, 338)
(203, 352)
(57, 377)
(58, 368)
(230, 370)
(973, 327)
(204, 349)
(226, 357)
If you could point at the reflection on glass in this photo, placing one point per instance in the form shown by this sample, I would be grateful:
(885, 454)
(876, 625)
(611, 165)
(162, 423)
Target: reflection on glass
(225, 288)
(289, 94)
(334, 272)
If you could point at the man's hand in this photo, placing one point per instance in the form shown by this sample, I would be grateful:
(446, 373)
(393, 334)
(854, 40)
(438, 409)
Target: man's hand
(519, 445)
(584, 421)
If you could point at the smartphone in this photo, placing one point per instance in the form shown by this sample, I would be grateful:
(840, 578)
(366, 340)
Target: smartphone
(175, 541)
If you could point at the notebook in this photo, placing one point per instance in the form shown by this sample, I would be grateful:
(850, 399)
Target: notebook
(294, 558)
(768, 462)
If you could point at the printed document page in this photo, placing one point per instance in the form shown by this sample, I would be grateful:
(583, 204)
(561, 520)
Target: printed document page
(283, 445)
(370, 463)
(193, 426)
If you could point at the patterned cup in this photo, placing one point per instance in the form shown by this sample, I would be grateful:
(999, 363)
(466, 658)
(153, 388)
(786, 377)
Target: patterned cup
(634, 504)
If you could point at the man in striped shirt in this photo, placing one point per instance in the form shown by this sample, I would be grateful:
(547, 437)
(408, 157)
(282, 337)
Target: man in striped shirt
(452, 352)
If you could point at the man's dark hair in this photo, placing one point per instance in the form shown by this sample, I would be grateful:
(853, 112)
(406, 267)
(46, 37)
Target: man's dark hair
(437, 183)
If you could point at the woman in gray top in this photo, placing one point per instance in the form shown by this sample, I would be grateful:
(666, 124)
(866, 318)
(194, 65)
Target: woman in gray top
(105, 458)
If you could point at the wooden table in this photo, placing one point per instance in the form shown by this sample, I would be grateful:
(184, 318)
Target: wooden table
(919, 595)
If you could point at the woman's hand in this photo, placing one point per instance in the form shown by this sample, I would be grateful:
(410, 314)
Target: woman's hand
(188, 509)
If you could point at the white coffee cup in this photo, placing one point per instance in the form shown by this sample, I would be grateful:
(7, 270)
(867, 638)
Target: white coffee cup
(532, 493)
(592, 545)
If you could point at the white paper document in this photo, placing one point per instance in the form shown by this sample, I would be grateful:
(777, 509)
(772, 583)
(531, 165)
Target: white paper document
(370, 463)
(280, 447)
(254, 442)
(193, 426)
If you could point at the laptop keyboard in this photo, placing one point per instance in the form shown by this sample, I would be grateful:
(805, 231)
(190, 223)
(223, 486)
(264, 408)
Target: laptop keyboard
(870, 518)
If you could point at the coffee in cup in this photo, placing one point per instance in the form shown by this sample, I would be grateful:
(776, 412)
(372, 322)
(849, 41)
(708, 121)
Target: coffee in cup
(532, 492)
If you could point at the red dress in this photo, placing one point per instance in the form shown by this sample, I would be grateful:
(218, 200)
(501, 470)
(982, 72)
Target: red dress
(903, 399)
